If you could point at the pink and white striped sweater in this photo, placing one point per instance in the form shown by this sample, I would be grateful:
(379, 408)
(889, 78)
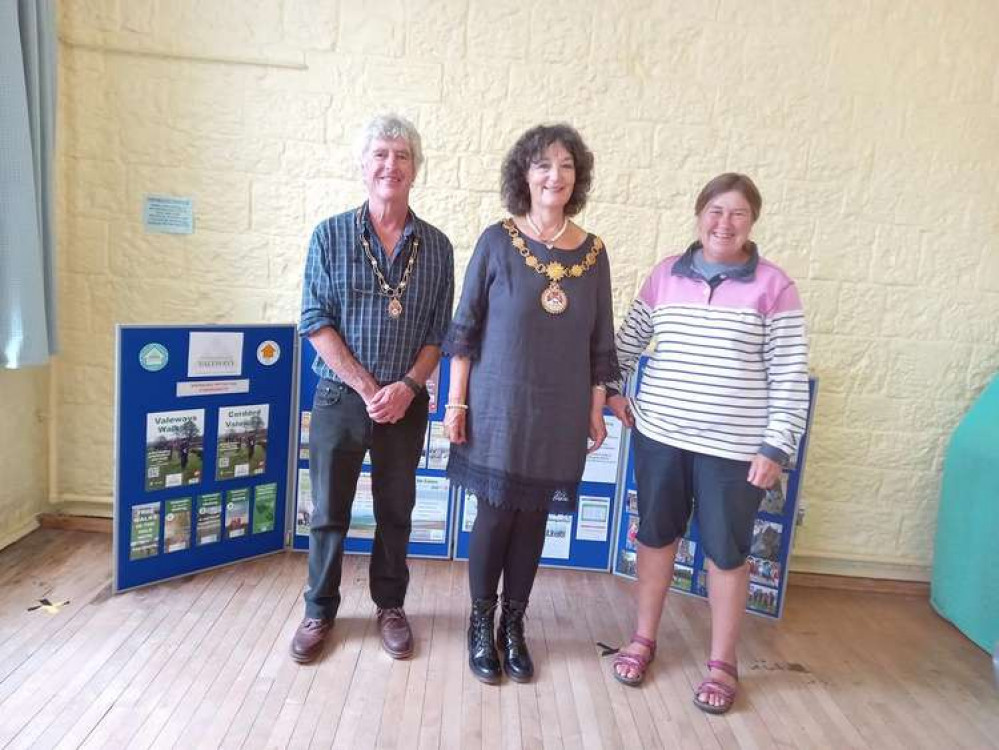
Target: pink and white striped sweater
(728, 375)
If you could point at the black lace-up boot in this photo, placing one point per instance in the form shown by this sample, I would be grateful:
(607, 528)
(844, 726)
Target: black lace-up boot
(510, 638)
(482, 657)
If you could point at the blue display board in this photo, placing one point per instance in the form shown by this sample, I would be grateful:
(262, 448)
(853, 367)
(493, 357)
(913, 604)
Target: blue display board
(582, 540)
(202, 428)
(433, 514)
(773, 533)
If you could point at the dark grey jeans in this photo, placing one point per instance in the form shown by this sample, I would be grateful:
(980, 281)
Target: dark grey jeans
(340, 433)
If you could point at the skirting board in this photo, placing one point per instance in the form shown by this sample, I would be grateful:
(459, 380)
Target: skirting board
(74, 522)
(852, 567)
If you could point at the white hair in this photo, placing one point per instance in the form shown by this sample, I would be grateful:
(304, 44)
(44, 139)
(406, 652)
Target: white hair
(391, 126)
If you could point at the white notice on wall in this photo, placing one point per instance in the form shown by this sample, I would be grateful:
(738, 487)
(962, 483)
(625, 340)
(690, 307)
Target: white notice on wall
(602, 464)
(164, 214)
(594, 518)
(558, 537)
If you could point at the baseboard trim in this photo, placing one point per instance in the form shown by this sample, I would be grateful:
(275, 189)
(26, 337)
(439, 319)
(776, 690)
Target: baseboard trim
(68, 522)
(19, 532)
(856, 567)
(853, 583)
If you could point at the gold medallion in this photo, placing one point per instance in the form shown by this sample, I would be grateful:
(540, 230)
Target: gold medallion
(554, 300)
(394, 307)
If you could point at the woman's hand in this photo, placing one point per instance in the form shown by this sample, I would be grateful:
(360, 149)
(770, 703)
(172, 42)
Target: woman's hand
(454, 425)
(598, 429)
(619, 405)
(763, 472)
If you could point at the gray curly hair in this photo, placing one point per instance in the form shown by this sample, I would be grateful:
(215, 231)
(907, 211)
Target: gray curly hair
(391, 126)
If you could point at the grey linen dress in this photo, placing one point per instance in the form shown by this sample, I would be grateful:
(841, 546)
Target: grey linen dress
(531, 374)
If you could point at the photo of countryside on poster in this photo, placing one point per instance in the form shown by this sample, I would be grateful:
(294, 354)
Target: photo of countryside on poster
(242, 449)
(174, 448)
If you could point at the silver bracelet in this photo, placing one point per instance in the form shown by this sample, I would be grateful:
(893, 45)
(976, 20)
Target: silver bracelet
(462, 407)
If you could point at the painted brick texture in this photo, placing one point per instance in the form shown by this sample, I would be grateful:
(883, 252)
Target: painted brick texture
(870, 126)
(24, 423)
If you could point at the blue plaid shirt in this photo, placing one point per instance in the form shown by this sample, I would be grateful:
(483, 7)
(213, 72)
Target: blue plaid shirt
(341, 291)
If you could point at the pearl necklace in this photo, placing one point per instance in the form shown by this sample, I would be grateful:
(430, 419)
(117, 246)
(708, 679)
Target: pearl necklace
(549, 243)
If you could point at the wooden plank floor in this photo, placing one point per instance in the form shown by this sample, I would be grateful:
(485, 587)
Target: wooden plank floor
(203, 662)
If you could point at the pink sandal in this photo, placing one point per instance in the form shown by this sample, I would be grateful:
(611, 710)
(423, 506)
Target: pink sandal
(714, 688)
(638, 662)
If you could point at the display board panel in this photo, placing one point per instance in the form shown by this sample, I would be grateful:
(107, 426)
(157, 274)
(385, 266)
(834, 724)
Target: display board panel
(202, 429)
(433, 513)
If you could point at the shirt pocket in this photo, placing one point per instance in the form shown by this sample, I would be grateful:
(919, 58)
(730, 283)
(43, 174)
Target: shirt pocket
(362, 277)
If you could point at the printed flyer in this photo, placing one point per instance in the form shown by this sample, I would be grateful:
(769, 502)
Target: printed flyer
(177, 525)
(264, 507)
(174, 448)
(438, 447)
(144, 539)
(430, 512)
(602, 465)
(469, 512)
(209, 527)
(242, 445)
(362, 515)
(237, 512)
(214, 354)
(594, 518)
(303, 506)
(303, 436)
(558, 537)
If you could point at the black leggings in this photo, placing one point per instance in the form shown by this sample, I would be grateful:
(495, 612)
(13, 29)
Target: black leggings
(507, 542)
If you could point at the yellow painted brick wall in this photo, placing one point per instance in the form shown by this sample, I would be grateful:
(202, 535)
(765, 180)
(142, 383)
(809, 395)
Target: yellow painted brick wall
(870, 125)
(24, 440)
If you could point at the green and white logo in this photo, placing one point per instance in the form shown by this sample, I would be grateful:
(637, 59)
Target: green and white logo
(154, 357)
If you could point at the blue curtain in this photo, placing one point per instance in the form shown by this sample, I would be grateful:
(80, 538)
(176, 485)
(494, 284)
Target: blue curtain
(27, 130)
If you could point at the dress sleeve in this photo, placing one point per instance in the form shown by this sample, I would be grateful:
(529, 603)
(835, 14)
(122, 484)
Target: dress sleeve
(464, 336)
(603, 355)
(786, 358)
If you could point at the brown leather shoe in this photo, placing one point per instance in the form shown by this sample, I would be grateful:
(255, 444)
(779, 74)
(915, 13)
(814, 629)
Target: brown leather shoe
(308, 641)
(397, 638)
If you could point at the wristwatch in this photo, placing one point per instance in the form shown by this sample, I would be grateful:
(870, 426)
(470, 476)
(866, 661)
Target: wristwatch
(415, 387)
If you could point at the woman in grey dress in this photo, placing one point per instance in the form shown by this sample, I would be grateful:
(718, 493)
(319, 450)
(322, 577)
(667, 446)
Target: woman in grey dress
(532, 344)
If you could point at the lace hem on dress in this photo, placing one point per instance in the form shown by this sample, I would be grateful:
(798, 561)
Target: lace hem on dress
(508, 491)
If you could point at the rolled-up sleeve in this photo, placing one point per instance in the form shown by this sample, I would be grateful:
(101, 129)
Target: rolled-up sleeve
(441, 318)
(786, 358)
(319, 303)
(464, 336)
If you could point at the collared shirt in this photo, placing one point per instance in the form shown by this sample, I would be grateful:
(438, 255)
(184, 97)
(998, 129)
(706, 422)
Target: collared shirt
(340, 290)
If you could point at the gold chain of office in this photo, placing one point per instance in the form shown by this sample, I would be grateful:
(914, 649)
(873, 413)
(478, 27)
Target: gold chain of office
(554, 300)
(394, 304)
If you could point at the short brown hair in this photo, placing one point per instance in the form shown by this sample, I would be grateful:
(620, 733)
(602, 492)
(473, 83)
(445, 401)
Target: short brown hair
(514, 191)
(726, 183)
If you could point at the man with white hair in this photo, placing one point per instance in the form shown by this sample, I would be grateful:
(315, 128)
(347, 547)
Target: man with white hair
(376, 303)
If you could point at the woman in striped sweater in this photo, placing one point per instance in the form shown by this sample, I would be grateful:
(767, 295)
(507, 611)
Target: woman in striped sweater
(721, 406)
